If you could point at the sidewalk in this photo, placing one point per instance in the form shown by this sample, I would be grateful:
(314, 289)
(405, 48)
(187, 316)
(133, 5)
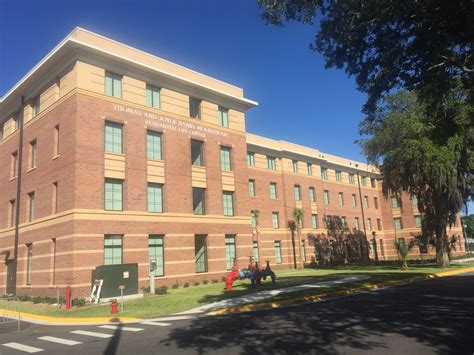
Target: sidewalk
(262, 295)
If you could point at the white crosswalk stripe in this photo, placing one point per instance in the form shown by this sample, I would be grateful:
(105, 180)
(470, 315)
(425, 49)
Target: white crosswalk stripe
(159, 324)
(164, 319)
(126, 329)
(21, 347)
(92, 334)
(60, 340)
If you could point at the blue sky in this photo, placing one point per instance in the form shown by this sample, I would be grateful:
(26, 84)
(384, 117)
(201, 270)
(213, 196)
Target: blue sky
(300, 101)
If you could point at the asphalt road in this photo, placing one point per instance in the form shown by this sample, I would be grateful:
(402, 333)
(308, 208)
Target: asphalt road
(429, 317)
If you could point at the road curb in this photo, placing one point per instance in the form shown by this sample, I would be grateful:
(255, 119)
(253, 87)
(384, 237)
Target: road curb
(47, 320)
(326, 296)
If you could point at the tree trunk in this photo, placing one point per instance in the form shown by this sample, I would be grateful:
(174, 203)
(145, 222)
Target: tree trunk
(294, 250)
(442, 256)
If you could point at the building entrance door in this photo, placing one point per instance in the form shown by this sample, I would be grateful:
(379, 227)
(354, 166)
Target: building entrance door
(10, 286)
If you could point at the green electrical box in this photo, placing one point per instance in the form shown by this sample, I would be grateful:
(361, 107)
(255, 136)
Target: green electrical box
(115, 276)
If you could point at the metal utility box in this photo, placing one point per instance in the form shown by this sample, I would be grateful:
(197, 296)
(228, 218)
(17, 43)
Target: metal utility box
(114, 276)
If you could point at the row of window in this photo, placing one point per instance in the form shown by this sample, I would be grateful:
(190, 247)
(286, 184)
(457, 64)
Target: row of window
(113, 87)
(113, 198)
(113, 253)
(113, 143)
(33, 154)
(271, 165)
(312, 195)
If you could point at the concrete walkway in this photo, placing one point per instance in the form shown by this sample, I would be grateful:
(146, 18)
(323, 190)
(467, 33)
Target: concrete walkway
(263, 295)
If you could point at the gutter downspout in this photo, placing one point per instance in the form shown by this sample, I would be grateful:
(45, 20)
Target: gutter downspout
(18, 198)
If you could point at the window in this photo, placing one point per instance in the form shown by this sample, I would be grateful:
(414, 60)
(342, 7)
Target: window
(113, 137)
(229, 251)
(200, 252)
(312, 195)
(2, 128)
(156, 251)
(369, 224)
(277, 245)
(254, 219)
(12, 212)
(55, 197)
(197, 157)
(356, 223)
(228, 203)
(324, 173)
(155, 197)
(418, 221)
(376, 203)
(414, 200)
(309, 168)
(354, 200)
(338, 176)
(379, 224)
(250, 159)
(33, 154)
(303, 250)
(153, 145)
(395, 201)
(252, 188)
(225, 159)
(297, 192)
(56, 140)
(314, 221)
(113, 84)
(152, 96)
(326, 197)
(18, 120)
(366, 201)
(351, 179)
(113, 195)
(255, 251)
(294, 166)
(113, 250)
(344, 221)
(31, 206)
(273, 190)
(397, 222)
(373, 182)
(271, 163)
(340, 199)
(195, 108)
(223, 116)
(29, 263)
(363, 180)
(14, 164)
(275, 220)
(36, 106)
(199, 206)
(53, 247)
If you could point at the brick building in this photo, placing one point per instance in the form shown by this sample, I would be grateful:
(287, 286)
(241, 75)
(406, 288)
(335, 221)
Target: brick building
(111, 155)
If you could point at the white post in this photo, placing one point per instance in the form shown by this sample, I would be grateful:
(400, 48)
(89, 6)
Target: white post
(152, 282)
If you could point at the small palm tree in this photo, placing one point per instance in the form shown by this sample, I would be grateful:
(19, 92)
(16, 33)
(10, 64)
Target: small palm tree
(403, 250)
(294, 225)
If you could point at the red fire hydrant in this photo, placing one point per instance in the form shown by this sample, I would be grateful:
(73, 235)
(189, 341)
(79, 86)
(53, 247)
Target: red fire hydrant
(68, 298)
(114, 307)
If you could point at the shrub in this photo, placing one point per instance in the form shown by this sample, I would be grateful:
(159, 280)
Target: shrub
(37, 299)
(62, 299)
(186, 284)
(215, 281)
(223, 279)
(175, 286)
(196, 283)
(24, 298)
(79, 302)
(162, 290)
(50, 300)
(205, 282)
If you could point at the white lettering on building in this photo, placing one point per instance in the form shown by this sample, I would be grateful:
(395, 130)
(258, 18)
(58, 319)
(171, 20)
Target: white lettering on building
(170, 123)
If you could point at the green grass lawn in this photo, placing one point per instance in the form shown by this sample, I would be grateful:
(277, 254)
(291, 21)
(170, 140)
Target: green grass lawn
(181, 299)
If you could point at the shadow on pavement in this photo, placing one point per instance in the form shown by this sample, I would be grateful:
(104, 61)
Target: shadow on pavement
(112, 346)
(437, 313)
